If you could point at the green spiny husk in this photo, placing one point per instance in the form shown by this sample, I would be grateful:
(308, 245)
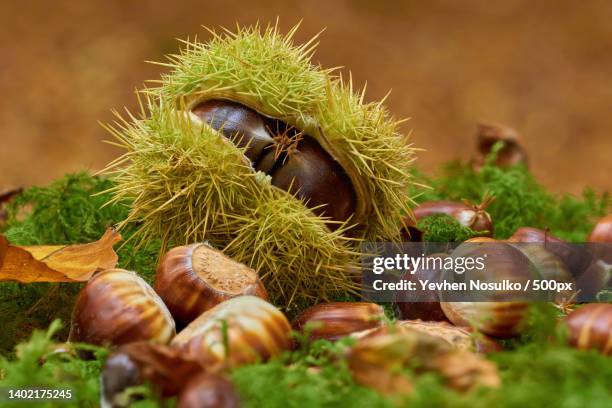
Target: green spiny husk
(187, 183)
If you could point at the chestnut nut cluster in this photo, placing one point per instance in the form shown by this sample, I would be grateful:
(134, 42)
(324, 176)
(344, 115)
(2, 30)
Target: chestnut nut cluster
(295, 161)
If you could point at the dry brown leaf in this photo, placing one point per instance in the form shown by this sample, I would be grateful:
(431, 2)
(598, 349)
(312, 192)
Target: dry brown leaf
(57, 263)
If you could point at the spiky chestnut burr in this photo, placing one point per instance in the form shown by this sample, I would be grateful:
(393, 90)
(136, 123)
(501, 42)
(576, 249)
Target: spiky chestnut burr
(332, 321)
(209, 391)
(242, 330)
(590, 327)
(203, 187)
(117, 307)
(194, 278)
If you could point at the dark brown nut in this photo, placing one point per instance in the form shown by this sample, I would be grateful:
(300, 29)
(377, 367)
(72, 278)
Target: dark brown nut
(472, 216)
(602, 232)
(209, 391)
(117, 307)
(500, 314)
(590, 327)
(310, 174)
(511, 154)
(576, 258)
(243, 126)
(296, 162)
(165, 368)
(429, 310)
(242, 330)
(193, 279)
(332, 321)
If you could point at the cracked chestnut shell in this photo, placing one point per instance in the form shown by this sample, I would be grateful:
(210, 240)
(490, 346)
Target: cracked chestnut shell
(295, 161)
(194, 278)
(117, 307)
(332, 321)
(242, 330)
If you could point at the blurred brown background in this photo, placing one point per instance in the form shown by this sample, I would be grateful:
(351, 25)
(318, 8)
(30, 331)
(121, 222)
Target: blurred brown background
(543, 67)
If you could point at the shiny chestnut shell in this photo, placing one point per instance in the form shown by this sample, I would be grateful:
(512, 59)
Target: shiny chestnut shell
(332, 321)
(590, 327)
(602, 232)
(194, 278)
(296, 162)
(472, 216)
(511, 154)
(242, 330)
(117, 307)
(133, 364)
(429, 310)
(209, 391)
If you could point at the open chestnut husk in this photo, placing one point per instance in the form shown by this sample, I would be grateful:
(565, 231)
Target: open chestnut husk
(134, 364)
(208, 391)
(590, 327)
(194, 278)
(512, 152)
(241, 330)
(116, 307)
(332, 321)
(296, 162)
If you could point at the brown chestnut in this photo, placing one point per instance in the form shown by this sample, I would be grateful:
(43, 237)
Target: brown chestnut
(472, 216)
(576, 258)
(295, 161)
(241, 330)
(312, 175)
(498, 313)
(461, 338)
(209, 391)
(117, 307)
(332, 321)
(512, 152)
(243, 126)
(425, 310)
(134, 364)
(602, 232)
(590, 327)
(193, 279)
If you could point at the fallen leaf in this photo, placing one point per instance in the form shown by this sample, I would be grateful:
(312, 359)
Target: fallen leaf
(57, 263)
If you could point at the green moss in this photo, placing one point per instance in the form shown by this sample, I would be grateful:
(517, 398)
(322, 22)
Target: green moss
(443, 228)
(520, 201)
(37, 367)
(68, 211)
(537, 369)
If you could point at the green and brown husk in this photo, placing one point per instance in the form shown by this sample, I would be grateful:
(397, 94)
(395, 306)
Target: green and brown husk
(186, 183)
